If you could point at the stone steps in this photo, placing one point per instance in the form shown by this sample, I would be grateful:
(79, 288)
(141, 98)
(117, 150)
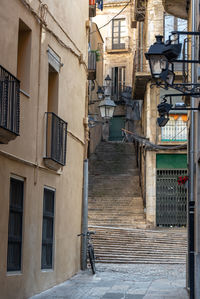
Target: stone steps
(117, 245)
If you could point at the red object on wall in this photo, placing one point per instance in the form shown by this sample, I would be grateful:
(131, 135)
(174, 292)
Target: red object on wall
(92, 2)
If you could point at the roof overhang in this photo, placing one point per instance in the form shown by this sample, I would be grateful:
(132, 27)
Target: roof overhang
(177, 8)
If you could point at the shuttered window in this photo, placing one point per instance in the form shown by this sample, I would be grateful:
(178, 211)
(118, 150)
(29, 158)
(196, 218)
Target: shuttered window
(48, 229)
(14, 252)
(118, 33)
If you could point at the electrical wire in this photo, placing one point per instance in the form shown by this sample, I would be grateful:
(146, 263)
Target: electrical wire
(149, 145)
(112, 17)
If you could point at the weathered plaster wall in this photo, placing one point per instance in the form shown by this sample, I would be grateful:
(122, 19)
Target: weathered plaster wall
(24, 156)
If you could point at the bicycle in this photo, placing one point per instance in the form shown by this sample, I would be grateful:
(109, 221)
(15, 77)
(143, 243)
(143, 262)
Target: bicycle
(90, 249)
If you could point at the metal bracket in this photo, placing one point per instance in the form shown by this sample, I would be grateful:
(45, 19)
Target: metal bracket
(194, 33)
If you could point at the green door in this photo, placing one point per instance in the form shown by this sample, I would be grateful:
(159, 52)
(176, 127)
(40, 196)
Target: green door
(117, 123)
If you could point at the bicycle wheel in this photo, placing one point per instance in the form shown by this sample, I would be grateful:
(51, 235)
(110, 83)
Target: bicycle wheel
(92, 259)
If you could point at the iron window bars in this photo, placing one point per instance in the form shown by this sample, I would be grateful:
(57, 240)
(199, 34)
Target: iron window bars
(9, 101)
(56, 138)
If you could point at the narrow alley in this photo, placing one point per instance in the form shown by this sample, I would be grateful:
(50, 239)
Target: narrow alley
(114, 281)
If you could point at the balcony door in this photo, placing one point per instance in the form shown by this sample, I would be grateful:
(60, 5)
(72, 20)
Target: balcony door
(118, 81)
(118, 34)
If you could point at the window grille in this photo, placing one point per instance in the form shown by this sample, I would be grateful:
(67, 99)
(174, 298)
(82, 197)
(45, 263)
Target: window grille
(47, 229)
(15, 225)
(9, 101)
(56, 138)
(175, 130)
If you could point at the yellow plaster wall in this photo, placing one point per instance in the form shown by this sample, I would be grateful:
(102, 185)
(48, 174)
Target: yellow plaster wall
(24, 156)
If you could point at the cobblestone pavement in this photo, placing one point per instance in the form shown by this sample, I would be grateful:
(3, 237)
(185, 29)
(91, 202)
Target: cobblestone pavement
(114, 281)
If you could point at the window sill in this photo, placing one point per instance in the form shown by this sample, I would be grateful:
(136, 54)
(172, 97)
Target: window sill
(25, 93)
(13, 273)
(176, 142)
(47, 270)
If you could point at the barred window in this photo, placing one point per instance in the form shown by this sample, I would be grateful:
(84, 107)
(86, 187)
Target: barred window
(48, 229)
(175, 129)
(14, 252)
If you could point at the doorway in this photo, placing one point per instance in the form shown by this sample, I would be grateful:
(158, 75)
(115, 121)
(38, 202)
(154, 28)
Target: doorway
(117, 123)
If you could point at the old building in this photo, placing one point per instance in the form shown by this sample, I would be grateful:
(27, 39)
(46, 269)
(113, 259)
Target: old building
(116, 24)
(95, 77)
(43, 136)
(190, 11)
(162, 152)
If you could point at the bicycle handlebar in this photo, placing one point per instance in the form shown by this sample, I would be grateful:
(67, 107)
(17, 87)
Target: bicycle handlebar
(87, 234)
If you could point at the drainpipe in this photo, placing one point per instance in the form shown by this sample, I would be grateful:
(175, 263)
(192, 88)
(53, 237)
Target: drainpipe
(193, 284)
(194, 149)
(84, 216)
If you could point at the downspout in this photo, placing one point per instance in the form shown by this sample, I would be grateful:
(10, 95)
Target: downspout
(38, 102)
(191, 197)
(194, 149)
(85, 180)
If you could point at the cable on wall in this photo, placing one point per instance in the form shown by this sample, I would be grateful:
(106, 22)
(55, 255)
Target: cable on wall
(42, 20)
(112, 17)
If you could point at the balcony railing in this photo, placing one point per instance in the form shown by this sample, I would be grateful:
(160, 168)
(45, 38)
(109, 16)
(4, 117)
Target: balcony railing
(9, 106)
(56, 140)
(141, 74)
(122, 46)
(91, 65)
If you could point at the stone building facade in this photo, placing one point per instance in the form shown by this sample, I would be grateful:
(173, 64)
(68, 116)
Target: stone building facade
(116, 24)
(42, 151)
(163, 153)
(190, 11)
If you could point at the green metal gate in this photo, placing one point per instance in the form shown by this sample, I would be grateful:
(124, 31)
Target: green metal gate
(171, 199)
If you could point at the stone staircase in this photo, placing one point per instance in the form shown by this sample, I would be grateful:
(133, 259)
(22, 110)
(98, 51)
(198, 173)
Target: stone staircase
(116, 212)
(114, 191)
(129, 246)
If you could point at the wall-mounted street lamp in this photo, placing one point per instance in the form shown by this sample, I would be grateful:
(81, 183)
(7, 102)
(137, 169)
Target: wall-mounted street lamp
(164, 108)
(162, 56)
(106, 105)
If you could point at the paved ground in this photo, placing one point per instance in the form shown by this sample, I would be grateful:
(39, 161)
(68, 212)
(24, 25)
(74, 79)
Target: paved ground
(123, 282)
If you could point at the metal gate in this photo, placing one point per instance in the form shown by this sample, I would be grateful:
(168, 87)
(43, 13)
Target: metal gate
(171, 199)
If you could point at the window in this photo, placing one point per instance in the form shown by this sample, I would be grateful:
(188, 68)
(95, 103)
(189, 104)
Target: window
(52, 90)
(47, 229)
(118, 34)
(24, 56)
(15, 225)
(118, 81)
(172, 23)
(175, 129)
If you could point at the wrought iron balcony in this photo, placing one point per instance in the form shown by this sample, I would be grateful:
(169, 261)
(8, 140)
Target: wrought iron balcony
(121, 44)
(9, 106)
(141, 75)
(56, 139)
(91, 65)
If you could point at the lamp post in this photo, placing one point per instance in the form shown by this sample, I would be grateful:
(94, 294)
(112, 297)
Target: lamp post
(106, 105)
